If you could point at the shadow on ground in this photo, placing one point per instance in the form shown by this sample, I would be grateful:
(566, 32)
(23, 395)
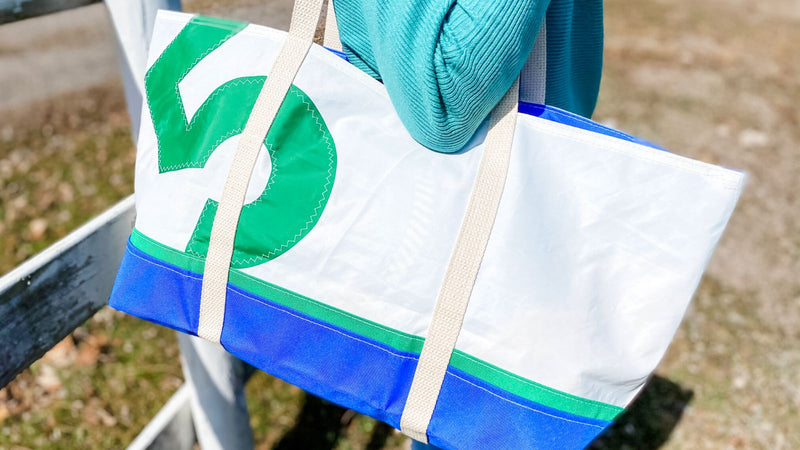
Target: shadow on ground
(649, 421)
(646, 424)
(321, 423)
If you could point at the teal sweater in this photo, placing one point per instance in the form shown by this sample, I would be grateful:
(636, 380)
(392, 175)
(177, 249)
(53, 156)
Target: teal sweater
(446, 63)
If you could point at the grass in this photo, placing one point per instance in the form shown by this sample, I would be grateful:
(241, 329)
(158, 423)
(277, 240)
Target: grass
(62, 163)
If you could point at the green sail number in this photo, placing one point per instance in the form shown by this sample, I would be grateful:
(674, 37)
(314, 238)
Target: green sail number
(300, 146)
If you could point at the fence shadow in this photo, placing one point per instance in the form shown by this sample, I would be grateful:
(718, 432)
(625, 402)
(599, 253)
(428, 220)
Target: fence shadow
(649, 421)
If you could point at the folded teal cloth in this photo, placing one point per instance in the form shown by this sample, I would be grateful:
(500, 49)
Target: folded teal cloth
(446, 63)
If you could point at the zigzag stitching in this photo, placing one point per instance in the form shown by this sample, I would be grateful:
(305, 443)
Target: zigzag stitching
(187, 125)
(270, 182)
(192, 240)
(273, 171)
(316, 211)
(177, 93)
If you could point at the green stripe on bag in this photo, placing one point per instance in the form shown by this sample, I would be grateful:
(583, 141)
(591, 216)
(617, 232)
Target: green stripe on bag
(396, 339)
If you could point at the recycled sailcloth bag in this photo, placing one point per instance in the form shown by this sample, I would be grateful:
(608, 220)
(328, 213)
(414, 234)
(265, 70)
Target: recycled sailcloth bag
(516, 294)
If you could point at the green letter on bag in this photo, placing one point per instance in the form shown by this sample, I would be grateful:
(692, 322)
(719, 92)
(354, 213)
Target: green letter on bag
(300, 146)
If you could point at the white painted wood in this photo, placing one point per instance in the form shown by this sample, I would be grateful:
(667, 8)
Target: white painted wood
(48, 296)
(218, 402)
(171, 428)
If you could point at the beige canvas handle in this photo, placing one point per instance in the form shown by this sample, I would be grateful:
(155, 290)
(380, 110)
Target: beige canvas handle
(464, 262)
(305, 16)
(533, 78)
(331, 37)
(476, 228)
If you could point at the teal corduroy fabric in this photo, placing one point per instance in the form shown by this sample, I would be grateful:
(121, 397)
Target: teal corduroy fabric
(446, 63)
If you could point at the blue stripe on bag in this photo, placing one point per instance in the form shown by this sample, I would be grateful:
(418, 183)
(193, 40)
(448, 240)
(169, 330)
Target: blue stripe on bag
(345, 367)
(554, 114)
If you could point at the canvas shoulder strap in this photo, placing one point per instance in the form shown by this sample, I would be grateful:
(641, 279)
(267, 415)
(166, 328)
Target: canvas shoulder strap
(465, 261)
(331, 36)
(305, 16)
(467, 254)
(533, 78)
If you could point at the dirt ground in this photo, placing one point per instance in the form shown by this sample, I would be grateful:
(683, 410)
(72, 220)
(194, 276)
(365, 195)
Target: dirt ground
(717, 80)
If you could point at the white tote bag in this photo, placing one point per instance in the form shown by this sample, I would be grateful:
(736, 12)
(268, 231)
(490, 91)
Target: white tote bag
(516, 294)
